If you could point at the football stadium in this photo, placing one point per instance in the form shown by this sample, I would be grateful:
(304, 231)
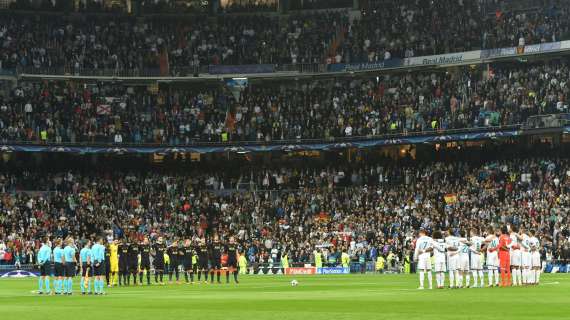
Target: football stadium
(284, 159)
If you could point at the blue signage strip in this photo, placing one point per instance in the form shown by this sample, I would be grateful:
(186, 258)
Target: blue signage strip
(365, 66)
(118, 149)
(528, 49)
(443, 59)
(333, 270)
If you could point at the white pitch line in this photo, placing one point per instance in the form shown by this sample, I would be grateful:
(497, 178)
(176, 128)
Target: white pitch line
(555, 282)
(191, 292)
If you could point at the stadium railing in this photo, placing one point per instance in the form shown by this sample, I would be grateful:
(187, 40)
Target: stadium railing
(547, 121)
(199, 73)
(286, 143)
(84, 72)
(553, 123)
(174, 71)
(10, 267)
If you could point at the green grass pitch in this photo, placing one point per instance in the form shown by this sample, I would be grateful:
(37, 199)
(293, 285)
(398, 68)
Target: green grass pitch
(272, 297)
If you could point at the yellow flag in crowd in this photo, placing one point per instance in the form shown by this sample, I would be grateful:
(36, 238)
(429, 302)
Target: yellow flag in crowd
(450, 198)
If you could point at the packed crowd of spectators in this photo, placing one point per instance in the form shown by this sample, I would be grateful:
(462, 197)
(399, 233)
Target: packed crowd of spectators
(386, 30)
(95, 43)
(90, 43)
(304, 38)
(411, 28)
(546, 23)
(55, 112)
(356, 207)
(408, 28)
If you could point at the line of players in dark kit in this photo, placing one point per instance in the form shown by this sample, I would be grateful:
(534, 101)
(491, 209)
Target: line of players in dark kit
(193, 258)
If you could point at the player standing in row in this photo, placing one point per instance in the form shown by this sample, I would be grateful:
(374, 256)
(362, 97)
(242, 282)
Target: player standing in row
(70, 263)
(505, 257)
(180, 254)
(424, 245)
(215, 259)
(233, 256)
(86, 266)
(187, 261)
(526, 263)
(477, 243)
(44, 260)
(98, 252)
(133, 261)
(202, 253)
(58, 266)
(113, 263)
(124, 276)
(536, 266)
(492, 241)
(464, 260)
(452, 244)
(158, 253)
(516, 256)
(145, 251)
(439, 248)
(172, 252)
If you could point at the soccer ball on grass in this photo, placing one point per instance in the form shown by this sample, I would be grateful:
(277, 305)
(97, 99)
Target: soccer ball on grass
(294, 283)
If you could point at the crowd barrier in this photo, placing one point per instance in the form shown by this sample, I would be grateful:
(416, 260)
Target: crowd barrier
(286, 70)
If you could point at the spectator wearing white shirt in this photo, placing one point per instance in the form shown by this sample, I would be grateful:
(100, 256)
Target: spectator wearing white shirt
(348, 131)
(28, 108)
(118, 138)
(2, 250)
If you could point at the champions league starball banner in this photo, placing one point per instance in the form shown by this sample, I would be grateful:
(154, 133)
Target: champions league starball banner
(246, 148)
(296, 270)
(19, 274)
(265, 271)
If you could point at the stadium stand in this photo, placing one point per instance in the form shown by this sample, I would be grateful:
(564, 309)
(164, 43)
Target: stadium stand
(358, 206)
(364, 107)
(56, 91)
(382, 31)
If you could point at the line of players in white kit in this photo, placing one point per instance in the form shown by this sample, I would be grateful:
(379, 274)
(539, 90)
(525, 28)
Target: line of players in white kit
(464, 256)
